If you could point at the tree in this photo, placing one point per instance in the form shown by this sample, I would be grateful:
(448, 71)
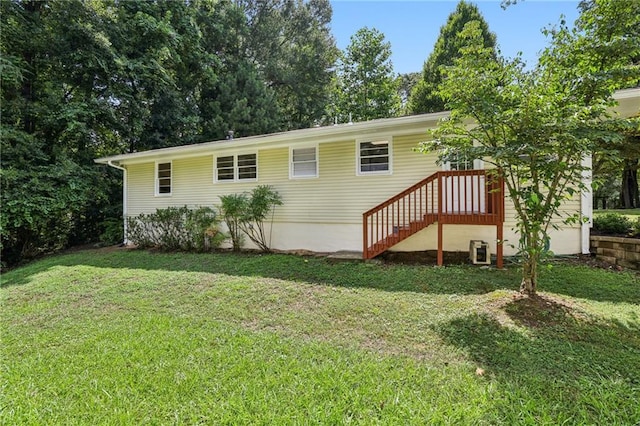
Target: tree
(291, 45)
(613, 46)
(536, 128)
(406, 83)
(425, 97)
(366, 87)
(87, 79)
(53, 122)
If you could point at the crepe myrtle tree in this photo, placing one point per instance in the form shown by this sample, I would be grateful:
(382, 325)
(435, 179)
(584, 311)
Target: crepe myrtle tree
(535, 128)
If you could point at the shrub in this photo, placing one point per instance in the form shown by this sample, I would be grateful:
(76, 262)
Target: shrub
(112, 231)
(232, 209)
(611, 223)
(176, 228)
(247, 213)
(635, 227)
(262, 202)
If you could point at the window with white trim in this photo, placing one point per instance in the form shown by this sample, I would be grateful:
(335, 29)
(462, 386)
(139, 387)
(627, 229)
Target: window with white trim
(462, 161)
(304, 162)
(233, 168)
(374, 156)
(163, 178)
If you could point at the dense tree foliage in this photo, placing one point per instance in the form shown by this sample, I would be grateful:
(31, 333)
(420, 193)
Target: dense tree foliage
(406, 83)
(425, 97)
(537, 127)
(612, 46)
(85, 79)
(366, 86)
(291, 44)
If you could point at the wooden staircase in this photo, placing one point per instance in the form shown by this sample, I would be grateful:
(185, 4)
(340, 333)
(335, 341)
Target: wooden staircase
(467, 197)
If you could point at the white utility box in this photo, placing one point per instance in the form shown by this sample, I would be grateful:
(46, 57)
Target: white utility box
(479, 252)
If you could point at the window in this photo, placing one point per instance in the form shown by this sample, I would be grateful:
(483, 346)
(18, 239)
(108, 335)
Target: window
(247, 166)
(304, 162)
(232, 168)
(163, 178)
(462, 161)
(374, 157)
(224, 168)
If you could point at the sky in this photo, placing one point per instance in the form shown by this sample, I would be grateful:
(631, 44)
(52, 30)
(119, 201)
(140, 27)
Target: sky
(412, 26)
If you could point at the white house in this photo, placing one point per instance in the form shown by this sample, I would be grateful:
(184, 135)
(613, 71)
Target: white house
(328, 177)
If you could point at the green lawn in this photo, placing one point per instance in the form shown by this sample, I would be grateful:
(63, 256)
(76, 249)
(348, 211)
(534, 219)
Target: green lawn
(131, 337)
(632, 214)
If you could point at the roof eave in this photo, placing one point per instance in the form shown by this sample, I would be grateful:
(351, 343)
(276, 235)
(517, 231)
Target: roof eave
(335, 133)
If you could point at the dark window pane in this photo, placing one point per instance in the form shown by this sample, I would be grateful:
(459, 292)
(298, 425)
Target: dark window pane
(247, 173)
(225, 174)
(246, 160)
(374, 156)
(222, 162)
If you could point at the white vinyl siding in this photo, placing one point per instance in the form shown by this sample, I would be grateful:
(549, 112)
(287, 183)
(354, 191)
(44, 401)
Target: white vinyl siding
(163, 179)
(234, 168)
(304, 162)
(374, 156)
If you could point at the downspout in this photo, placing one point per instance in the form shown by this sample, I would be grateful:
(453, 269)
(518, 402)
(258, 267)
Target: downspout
(124, 197)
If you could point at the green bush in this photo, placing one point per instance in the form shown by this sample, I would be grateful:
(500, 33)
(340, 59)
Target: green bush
(612, 223)
(635, 227)
(247, 213)
(112, 231)
(176, 228)
(232, 209)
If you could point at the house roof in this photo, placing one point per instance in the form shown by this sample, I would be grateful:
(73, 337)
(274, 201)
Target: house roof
(628, 105)
(398, 126)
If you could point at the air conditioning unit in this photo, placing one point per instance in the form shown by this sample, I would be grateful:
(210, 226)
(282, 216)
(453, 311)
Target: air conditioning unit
(479, 252)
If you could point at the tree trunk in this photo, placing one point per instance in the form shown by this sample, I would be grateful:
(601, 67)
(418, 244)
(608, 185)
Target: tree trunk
(629, 188)
(529, 282)
(531, 256)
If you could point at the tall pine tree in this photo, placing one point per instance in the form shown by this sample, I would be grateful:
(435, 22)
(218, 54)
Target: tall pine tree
(424, 97)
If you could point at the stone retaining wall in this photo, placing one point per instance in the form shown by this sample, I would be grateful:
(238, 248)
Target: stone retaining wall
(617, 250)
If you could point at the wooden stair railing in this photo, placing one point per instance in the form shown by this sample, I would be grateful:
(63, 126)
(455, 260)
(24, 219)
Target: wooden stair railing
(469, 197)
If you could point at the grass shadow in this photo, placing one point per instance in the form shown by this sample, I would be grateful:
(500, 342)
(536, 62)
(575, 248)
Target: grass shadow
(552, 354)
(311, 269)
(593, 283)
(590, 283)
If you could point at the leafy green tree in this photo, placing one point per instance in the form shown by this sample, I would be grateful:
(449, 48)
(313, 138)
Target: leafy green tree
(535, 128)
(613, 45)
(290, 43)
(425, 97)
(366, 87)
(53, 122)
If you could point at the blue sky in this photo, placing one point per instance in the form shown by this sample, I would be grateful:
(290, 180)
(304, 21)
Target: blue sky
(412, 27)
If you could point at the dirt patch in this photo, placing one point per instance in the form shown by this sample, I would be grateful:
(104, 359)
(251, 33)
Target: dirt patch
(542, 311)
